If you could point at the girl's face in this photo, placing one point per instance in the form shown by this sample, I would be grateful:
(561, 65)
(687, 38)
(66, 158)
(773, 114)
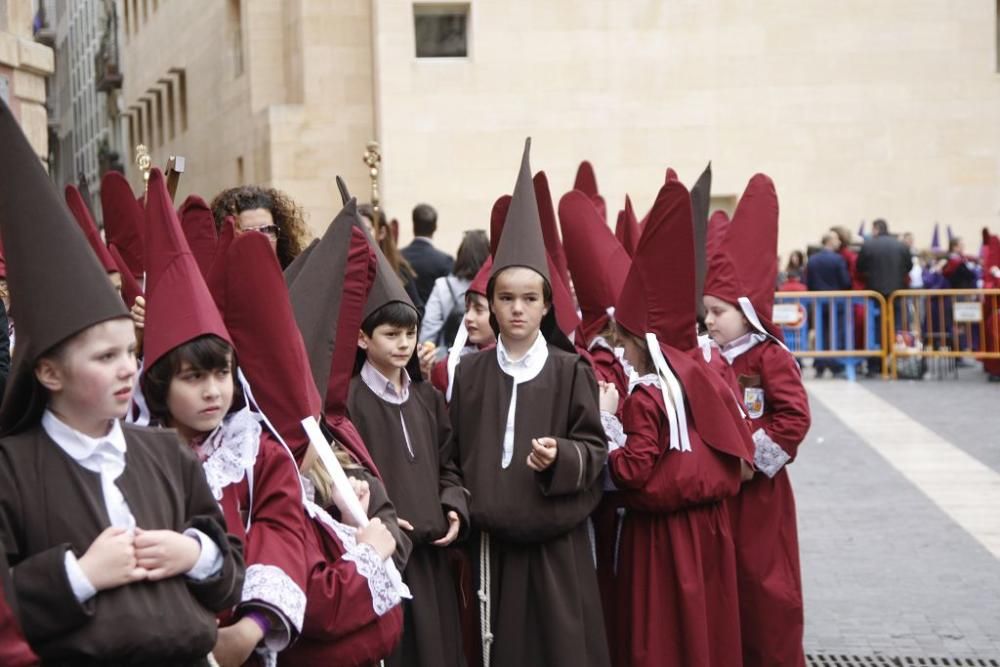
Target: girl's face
(477, 320)
(199, 399)
(724, 321)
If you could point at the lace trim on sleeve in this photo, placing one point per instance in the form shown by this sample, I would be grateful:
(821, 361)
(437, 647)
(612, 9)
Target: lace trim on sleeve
(613, 431)
(372, 568)
(230, 451)
(270, 585)
(768, 456)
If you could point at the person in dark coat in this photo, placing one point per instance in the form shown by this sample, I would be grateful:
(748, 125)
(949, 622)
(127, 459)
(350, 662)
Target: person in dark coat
(428, 262)
(828, 272)
(884, 262)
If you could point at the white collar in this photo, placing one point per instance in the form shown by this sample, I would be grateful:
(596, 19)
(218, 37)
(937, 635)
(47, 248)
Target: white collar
(650, 379)
(82, 448)
(528, 366)
(747, 341)
(383, 387)
(229, 452)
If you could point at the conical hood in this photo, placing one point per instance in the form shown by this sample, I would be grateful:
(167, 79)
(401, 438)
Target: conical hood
(78, 207)
(745, 266)
(57, 286)
(701, 195)
(658, 294)
(198, 225)
(936, 237)
(586, 182)
(498, 215)
(598, 262)
(482, 279)
(328, 298)
(257, 313)
(130, 286)
(522, 242)
(179, 307)
(717, 226)
(550, 231)
(627, 231)
(123, 221)
(562, 319)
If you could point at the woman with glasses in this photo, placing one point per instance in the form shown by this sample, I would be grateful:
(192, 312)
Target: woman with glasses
(267, 211)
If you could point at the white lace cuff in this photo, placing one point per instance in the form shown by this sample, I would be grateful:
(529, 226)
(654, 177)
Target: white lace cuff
(372, 568)
(768, 456)
(613, 431)
(269, 585)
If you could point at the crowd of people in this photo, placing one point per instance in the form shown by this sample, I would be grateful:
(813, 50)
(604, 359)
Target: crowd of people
(223, 443)
(886, 263)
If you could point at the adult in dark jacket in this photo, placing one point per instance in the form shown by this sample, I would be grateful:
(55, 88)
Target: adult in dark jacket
(428, 262)
(828, 272)
(885, 263)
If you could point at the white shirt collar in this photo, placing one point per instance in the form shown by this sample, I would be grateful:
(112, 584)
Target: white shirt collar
(529, 365)
(383, 386)
(738, 346)
(82, 448)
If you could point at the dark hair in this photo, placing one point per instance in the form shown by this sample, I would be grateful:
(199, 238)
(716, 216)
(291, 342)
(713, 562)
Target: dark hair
(470, 296)
(796, 260)
(287, 215)
(425, 220)
(387, 244)
(205, 353)
(472, 254)
(953, 244)
(880, 227)
(546, 287)
(394, 313)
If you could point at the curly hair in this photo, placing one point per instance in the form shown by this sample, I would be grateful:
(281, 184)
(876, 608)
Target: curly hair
(292, 235)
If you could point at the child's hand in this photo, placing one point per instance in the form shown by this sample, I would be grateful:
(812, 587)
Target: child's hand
(608, 397)
(379, 537)
(363, 493)
(543, 453)
(139, 312)
(165, 553)
(427, 354)
(454, 523)
(110, 560)
(236, 642)
(746, 471)
(404, 524)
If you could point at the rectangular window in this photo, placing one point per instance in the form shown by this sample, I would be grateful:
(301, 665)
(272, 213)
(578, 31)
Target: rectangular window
(128, 20)
(441, 30)
(131, 130)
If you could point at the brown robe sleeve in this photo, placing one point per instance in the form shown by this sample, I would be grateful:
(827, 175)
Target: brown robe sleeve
(222, 591)
(46, 602)
(454, 496)
(583, 452)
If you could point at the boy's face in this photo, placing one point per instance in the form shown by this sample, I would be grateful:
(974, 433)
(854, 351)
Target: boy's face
(389, 347)
(199, 399)
(519, 303)
(477, 320)
(91, 380)
(724, 321)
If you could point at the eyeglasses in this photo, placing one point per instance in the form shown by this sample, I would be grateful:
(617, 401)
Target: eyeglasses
(270, 231)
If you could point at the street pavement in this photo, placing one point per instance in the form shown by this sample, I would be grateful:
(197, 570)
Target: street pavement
(898, 494)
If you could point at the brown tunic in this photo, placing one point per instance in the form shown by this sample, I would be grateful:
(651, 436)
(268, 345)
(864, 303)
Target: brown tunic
(423, 486)
(545, 607)
(52, 504)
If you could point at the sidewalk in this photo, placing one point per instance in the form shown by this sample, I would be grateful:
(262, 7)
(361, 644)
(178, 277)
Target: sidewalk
(899, 520)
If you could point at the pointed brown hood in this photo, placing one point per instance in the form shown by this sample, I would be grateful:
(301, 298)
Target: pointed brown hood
(701, 195)
(58, 287)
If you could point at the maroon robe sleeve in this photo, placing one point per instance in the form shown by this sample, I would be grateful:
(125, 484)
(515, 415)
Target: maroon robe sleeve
(632, 465)
(787, 419)
(584, 451)
(609, 369)
(439, 375)
(275, 551)
(14, 650)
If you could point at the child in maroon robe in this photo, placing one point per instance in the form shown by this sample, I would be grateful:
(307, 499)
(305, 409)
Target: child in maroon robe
(189, 384)
(677, 455)
(738, 299)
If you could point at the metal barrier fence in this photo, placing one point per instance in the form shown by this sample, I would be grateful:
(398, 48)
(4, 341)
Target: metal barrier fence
(837, 329)
(937, 327)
